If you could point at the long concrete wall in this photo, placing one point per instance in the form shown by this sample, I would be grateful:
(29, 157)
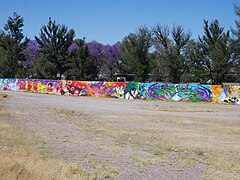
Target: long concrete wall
(128, 90)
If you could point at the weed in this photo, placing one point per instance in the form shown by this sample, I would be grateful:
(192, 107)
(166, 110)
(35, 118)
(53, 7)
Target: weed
(111, 173)
(3, 96)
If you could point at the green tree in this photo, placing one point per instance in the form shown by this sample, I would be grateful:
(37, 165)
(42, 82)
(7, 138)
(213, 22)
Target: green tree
(216, 50)
(196, 70)
(171, 60)
(54, 41)
(79, 61)
(3, 62)
(44, 69)
(13, 42)
(236, 45)
(135, 54)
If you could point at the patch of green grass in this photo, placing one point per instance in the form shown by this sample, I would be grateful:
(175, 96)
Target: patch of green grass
(86, 155)
(146, 161)
(199, 152)
(187, 158)
(109, 148)
(3, 96)
(66, 141)
(181, 109)
(142, 171)
(166, 148)
(111, 160)
(111, 173)
(97, 165)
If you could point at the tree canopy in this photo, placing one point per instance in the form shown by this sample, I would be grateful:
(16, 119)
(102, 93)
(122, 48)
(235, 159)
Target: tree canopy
(162, 53)
(171, 51)
(135, 51)
(216, 51)
(54, 41)
(13, 42)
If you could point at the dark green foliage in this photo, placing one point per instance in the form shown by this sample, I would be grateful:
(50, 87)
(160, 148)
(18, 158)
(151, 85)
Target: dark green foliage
(171, 61)
(3, 63)
(54, 41)
(216, 51)
(196, 70)
(43, 69)
(235, 71)
(163, 54)
(79, 61)
(135, 54)
(12, 42)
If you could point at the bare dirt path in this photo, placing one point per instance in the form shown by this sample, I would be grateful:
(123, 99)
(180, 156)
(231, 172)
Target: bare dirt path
(124, 139)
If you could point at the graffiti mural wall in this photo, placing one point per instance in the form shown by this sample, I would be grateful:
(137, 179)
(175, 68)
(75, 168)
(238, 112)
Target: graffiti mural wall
(128, 90)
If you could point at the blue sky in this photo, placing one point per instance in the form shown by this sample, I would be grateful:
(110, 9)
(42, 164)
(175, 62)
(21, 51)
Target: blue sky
(109, 21)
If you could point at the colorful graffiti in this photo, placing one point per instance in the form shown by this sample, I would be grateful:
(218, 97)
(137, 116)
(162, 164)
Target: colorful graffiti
(128, 90)
(181, 92)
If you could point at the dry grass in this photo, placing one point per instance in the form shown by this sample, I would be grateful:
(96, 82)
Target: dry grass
(210, 142)
(19, 162)
(182, 109)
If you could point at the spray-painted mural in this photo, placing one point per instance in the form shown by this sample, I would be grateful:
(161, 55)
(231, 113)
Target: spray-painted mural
(128, 90)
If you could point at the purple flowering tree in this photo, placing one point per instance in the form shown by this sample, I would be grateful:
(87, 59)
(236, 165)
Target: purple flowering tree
(96, 51)
(111, 61)
(105, 59)
(73, 47)
(31, 54)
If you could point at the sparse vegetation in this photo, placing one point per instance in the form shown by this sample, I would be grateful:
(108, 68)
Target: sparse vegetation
(202, 144)
(182, 109)
(3, 96)
(19, 161)
(149, 138)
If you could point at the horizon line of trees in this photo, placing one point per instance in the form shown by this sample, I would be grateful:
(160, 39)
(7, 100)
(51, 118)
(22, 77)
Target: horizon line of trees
(161, 53)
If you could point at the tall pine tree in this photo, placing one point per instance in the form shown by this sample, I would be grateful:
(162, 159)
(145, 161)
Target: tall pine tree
(236, 45)
(79, 60)
(13, 42)
(54, 41)
(135, 54)
(171, 52)
(216, 51)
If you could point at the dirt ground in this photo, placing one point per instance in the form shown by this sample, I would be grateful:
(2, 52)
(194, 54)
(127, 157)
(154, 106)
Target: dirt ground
(132, 139)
